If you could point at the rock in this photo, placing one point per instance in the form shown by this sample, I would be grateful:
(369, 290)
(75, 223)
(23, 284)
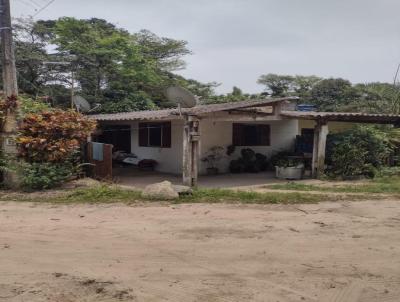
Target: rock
(162, 191)
(183, 190)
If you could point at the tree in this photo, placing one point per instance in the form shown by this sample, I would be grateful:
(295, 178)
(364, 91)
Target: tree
(110, 65)
(167, 52)
(30, 54)
(332, 94)
(237, 92)
(302, 85)
(276, 85)
(378, 98)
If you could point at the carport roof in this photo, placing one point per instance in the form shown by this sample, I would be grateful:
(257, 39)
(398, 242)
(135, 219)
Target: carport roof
(356, 117)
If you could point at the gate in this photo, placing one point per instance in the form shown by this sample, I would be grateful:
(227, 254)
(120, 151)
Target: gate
(100, 157)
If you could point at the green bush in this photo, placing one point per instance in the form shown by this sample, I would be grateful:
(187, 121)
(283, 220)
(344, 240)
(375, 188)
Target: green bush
(38, 176)
(360, 151)
(250, 162)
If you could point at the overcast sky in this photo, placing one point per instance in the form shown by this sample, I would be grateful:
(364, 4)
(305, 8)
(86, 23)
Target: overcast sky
(235, 41)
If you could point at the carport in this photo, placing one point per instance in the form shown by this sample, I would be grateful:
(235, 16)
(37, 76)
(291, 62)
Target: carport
(321, 129)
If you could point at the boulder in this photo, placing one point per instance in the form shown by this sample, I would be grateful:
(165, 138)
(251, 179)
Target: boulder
(161, 191)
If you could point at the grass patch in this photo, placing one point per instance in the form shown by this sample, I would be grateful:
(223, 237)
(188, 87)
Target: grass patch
(114, 194)
(244, 197)
(387, 185)
(102, 194)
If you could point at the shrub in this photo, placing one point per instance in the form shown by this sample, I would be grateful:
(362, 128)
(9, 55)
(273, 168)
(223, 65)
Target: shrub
(38, 176)
(51, 136)
(358, 151)
(249, 162)
(49, 144)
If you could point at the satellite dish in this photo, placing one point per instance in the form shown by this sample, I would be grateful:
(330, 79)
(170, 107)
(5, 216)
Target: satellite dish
(180, 96)
(81, 104)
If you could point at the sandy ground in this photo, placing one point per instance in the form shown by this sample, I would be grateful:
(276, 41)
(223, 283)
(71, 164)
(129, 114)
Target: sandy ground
(336, 252)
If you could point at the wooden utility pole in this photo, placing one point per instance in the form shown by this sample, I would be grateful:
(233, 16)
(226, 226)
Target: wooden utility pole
(10, 86)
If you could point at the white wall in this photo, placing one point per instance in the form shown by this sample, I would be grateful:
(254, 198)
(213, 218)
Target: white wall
(169, 159)
(215, 133)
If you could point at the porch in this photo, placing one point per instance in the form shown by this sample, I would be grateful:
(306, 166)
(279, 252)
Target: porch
(130, 176)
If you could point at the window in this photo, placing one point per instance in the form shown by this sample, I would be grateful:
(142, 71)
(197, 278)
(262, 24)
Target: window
(251, 135)
(155, 135)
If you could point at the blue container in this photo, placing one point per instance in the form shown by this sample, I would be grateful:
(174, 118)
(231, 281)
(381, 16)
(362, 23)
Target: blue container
(306, 107)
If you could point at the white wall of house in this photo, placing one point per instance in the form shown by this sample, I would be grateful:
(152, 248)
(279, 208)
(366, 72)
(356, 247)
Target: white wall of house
(219, 133)
(169, 159)
(213, 133)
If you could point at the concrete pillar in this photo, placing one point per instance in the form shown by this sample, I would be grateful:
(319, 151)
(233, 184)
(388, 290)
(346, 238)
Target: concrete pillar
(318, 161)
(191, 143)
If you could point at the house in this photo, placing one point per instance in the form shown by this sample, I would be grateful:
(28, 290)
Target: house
(178, 138)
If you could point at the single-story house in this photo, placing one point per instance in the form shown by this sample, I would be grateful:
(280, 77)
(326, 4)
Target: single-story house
(178, 138)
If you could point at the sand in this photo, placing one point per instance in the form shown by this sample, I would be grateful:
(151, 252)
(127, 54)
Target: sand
(336, 252)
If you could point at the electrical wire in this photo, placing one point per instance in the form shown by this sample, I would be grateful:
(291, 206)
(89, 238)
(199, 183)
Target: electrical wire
(43, 8)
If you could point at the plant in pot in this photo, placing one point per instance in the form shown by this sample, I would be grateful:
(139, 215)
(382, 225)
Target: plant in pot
(287, 167)
(212, 157)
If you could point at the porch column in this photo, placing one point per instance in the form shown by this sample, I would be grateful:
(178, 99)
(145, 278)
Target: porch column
(321, 131)
(191, 151)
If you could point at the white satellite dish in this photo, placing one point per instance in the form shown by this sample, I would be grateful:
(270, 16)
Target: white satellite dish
(180, 96)
(81, 104)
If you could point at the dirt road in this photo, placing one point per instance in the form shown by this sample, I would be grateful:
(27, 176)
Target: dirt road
(335, 252)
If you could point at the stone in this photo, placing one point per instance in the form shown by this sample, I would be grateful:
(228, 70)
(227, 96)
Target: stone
(183, 190)
(161, 191)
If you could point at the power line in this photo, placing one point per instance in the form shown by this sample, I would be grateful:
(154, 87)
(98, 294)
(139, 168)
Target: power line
(43, 8)
(28, 4)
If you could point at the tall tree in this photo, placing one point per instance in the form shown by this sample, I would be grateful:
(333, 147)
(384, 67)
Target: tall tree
(333, 94)
(276, 85)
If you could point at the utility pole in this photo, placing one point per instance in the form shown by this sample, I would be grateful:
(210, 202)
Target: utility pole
(10, 86)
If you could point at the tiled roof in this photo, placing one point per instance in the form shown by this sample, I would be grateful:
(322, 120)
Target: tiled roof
(198, 110)
(344, 116)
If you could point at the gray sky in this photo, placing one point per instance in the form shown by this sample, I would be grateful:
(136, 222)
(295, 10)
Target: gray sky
(235, 41)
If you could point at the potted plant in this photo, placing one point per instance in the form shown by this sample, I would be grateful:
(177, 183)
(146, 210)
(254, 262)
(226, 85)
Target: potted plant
(212, 158)
(287, 167)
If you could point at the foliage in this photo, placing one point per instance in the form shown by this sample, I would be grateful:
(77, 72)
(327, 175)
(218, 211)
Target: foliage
(281, 159)
(276, 85)
(288, 162)
(378, 98)
(285, 85)
(28, 105)
(249, 162)
(109, 63)
(358, 151)
(213, 156)
(132, 102)
(8, 104)
(52, 136)
(39, 176)
(332, 94)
